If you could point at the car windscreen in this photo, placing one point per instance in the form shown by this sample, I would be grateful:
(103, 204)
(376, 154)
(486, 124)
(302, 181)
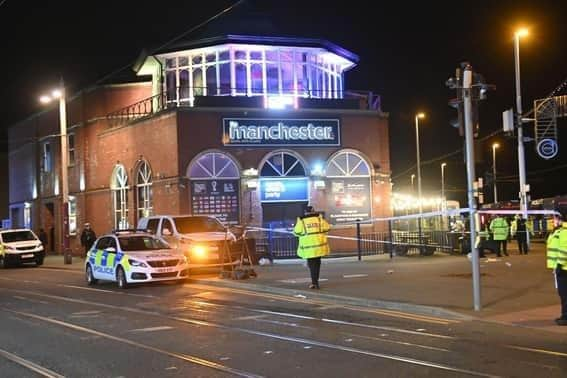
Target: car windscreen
(141, 243)
(190, 225)
(17, 236)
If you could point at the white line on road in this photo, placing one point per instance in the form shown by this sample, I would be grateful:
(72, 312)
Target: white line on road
(151, 329)
(107, 291)
(30, 300)
(44, 372)
(405, 343)
(543, 351)
(301, 280)
(94, 312)
(354, 275)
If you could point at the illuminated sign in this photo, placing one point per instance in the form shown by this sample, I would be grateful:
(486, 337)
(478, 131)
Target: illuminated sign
(286, 189)
(281, 132)
(348, 199)
(216, 197)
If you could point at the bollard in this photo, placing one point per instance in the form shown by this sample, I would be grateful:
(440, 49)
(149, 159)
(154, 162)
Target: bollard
(358, 239)
(68, 256)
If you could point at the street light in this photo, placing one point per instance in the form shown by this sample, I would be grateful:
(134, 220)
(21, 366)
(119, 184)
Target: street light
(494, 147)
(417, 117)
(443, 201)
(521, 157)
(412, 178)
(59, 94)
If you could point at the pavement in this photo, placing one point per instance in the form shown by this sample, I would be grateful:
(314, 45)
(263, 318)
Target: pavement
(516, 290)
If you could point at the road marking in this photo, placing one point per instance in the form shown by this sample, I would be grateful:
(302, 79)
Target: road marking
(44, 372)
(251, 317)
(80, 313)
(405, 343)
(29, 299)
(543, 351)
(107, 291)
(301, 280)
(181, 356)
(151, 329)
(385, 328)
(354, 275)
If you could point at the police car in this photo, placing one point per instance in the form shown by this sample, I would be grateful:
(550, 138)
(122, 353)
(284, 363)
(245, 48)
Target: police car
(132, 256)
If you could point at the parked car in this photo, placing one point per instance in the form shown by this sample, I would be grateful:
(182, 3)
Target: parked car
(130, 256)
(20, 246)
(201, 238)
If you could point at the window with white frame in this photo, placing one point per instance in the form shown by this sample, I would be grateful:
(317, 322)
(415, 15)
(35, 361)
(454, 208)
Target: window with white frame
(47, 157)
(282, 164)
(72, 215)
(144, 191)
(71, 149)
(119, 189)
(259, 70)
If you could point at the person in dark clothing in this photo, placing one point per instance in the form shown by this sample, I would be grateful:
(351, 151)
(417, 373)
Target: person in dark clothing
(522, 235)
(43, 238)
(88, 237)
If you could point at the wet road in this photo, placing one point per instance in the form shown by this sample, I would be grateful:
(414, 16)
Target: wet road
(52, 324)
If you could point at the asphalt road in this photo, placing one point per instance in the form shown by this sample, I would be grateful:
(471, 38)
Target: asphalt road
(52, 324)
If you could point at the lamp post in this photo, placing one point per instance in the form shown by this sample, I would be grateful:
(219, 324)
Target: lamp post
(494, 147)
(521, 157)
(60, 95)
(412, 188)
(443, 201)
(417, 117)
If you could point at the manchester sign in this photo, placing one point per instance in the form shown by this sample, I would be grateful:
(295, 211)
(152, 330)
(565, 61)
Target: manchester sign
(281, 132)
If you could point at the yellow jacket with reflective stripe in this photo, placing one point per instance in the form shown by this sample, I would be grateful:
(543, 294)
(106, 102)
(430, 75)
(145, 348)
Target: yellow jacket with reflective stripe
(557, 248)
(312, 233)
(500, 229)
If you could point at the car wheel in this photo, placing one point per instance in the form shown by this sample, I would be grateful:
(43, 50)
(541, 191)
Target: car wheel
(89, 276)
(3, 264)
(39, 261)
(121, 278)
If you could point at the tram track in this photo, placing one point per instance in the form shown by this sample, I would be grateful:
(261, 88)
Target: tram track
(32, 366)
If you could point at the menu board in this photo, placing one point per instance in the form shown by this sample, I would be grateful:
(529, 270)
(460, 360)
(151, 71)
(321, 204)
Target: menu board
(348, 199)
(216, 197)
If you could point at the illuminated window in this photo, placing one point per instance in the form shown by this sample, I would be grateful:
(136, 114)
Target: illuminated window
(282, 164)
(72, 215)
(47, 157)
(144, 190)
(71, 149)
(347, 163)
(213, 165)
(119, 189)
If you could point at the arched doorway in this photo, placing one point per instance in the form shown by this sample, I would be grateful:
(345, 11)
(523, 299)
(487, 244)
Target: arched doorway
(349, 194)
(284, 188)
(215, 183)
(144, 192)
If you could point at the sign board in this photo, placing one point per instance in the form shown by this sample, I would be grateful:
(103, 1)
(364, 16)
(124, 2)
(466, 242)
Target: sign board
(348, 199)
(285, 189)
(547, 148)
(281, 132)
(216, 197)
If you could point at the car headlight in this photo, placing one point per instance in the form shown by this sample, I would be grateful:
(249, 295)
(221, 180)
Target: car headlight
(184, 260)
(10, 247)
(199, 250)
(137, 263)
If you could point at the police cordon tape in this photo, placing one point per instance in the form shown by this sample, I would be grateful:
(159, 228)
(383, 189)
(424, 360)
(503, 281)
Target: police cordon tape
(448, 213)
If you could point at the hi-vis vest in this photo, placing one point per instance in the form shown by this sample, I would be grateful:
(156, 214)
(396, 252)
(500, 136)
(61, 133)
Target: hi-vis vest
(312, 234)
(557, 248)
(499, 228)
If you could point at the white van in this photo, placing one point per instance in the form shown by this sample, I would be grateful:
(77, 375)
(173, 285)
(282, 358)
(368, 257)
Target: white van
(201, 238)
(20, 246)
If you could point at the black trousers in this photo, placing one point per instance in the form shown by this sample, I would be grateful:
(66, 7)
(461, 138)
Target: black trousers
(562, 291)
(523, 244)
(501, 247)
(314, 265)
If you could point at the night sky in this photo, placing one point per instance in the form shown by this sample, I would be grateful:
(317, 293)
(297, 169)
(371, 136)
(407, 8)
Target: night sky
(407, 52)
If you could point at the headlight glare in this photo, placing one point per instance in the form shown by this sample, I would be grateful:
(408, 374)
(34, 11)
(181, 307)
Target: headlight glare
(137, 263)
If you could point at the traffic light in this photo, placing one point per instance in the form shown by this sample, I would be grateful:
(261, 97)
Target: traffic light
(458, 122)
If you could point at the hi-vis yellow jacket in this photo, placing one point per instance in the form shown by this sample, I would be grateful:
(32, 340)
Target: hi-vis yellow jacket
(557, 248)
(312, 233)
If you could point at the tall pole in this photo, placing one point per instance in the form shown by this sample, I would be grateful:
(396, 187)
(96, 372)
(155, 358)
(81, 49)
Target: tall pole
(443, 201)
(64, 168)
(467, 89)
(521, 156)
(418, 161)
(494, 147)
(412, 188)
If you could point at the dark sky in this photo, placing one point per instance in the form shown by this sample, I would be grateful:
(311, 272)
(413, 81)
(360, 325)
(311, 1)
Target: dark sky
(407, 51)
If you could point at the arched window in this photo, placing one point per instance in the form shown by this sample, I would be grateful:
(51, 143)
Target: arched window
(144, 193)
(215, 183)
(119, 189)
(282, 164)
(349, 187)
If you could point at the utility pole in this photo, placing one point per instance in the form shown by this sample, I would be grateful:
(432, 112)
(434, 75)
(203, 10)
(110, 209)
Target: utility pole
(467, 97)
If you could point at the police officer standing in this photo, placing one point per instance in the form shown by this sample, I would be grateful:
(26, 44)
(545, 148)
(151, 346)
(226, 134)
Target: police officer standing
(557, 261)
(311, 229)
(500, 229)
(88, 237)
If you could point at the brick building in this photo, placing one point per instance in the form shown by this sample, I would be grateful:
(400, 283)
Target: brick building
(249, 129)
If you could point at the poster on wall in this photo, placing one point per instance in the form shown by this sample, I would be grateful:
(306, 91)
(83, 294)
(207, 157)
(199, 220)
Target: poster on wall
(285, 189)
(348, 199)
(216, 197)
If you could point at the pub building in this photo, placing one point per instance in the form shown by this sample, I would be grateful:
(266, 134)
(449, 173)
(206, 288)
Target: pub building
(248, 128)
